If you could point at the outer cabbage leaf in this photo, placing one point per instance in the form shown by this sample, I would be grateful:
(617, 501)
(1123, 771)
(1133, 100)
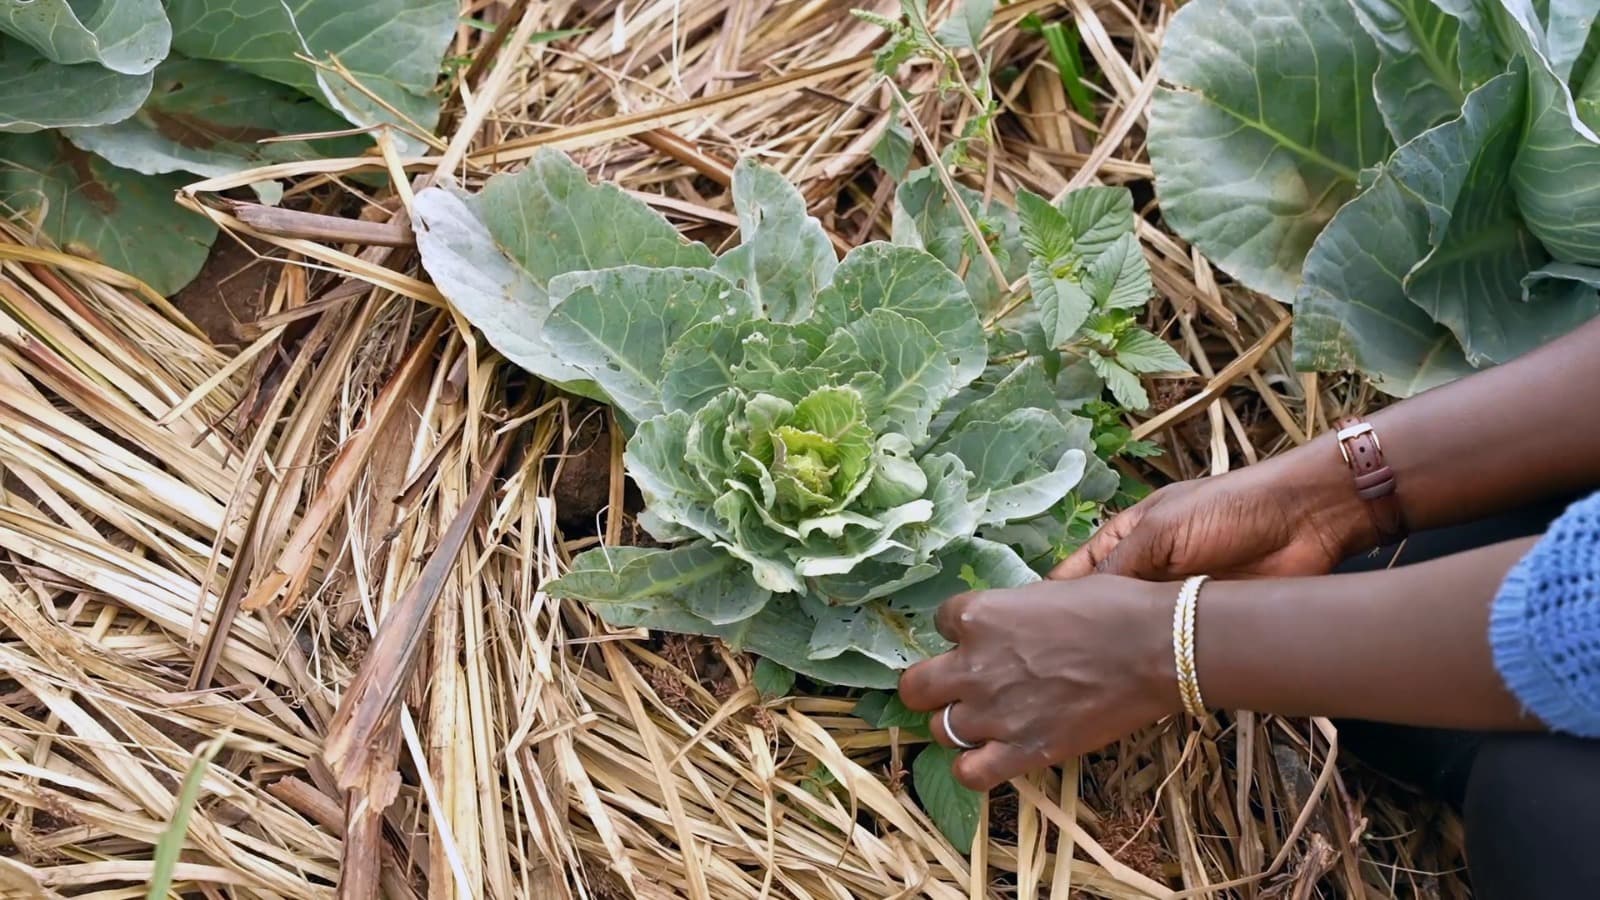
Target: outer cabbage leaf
(965, 565)
(1029, 385)
(1560, 280)
(899, 632)
(40, 95)
(924, 217)
(1443, 214)
(915, 285)
(1021, 459)
(875, 630)
(392, 48)
(1586, 86)
(89, 207)
(1471, 280)
(212, 120)
(494, 253)
(1041, 540)
(1418, 83)
(1353, 312)
(1569, 25)
(872, 580)
(1024, 385)
(784, 257)
(1556, 174)
(710, 584)
(1263, 134)
(781, 631)
(125, 36)
(617, 324)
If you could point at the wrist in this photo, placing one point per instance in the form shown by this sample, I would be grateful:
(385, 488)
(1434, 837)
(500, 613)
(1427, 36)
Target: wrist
(1158, 672)
(1239, 633)
(1323, 496)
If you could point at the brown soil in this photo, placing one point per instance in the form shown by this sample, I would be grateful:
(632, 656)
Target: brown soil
(1135, 842)
(583, 482)
(232, 287)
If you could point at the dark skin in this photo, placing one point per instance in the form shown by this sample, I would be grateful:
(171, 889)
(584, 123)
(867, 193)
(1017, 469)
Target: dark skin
(1044, 673)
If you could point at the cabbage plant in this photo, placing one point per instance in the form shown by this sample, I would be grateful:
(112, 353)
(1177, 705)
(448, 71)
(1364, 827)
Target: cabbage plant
(110, 107)
(825, 450)
(1421, 178)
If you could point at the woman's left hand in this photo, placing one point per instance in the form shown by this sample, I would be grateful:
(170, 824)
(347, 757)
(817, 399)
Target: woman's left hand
(1046, 672)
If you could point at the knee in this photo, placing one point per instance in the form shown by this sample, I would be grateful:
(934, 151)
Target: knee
(1532, 811)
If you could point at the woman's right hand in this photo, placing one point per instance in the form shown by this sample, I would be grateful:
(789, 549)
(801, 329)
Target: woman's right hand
(1297, 514)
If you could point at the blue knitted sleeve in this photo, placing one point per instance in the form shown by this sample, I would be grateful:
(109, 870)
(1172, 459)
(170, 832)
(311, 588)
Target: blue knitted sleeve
(1544, 625)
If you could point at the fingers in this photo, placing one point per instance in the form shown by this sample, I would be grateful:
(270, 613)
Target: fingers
(935, 683)
(952, 616)
(1132, 557)
(1086, 560)
(994, 764)
(1083, 560)
(966, 720)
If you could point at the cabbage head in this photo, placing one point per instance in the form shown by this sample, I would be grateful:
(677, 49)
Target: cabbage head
(823, 447)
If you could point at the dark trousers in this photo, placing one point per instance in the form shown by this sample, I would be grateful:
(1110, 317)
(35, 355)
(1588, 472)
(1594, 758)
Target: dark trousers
(1530, 802)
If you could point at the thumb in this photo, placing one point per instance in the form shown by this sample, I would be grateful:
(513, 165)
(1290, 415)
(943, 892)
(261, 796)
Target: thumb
(1087, 558)
(1133, 557)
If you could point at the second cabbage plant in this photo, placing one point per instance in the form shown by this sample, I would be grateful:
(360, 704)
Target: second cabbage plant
(1420, 178)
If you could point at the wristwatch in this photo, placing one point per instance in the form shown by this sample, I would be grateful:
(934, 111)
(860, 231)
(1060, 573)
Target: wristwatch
(1375, 481)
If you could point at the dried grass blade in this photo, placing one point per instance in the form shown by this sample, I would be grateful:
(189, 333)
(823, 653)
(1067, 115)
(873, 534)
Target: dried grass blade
(595, 133)
(384, 673)
(292, 566)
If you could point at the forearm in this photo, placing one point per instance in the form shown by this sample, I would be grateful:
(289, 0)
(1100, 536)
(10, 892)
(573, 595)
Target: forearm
(1407, 645)
(1478, 446)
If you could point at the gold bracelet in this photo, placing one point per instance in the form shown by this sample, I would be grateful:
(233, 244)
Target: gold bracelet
(1183, 645)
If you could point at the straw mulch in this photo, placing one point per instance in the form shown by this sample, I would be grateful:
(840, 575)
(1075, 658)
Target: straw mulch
(330, 535)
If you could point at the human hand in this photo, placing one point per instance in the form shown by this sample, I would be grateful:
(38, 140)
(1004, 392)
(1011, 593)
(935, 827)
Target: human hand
(1294, 515)
(1047, 672)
